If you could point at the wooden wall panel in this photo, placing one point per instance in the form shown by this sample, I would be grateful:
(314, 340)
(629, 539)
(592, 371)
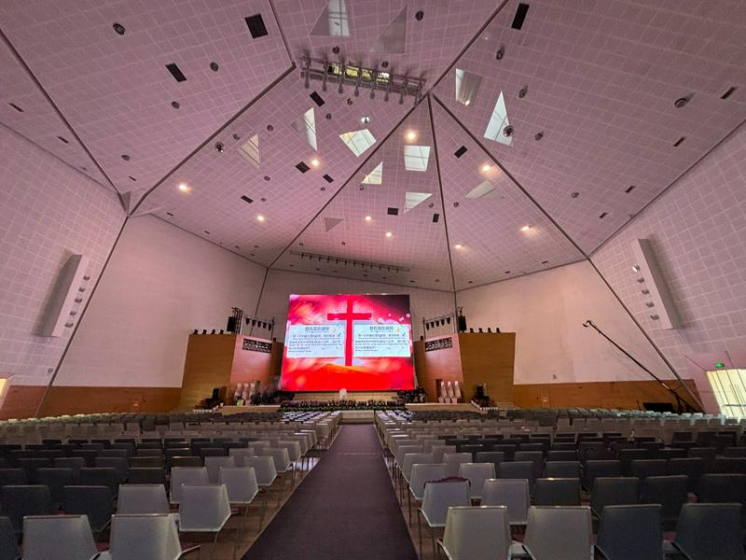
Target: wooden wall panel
(208, 364)
(488, 358)
(22, 401)
(611, 394)
(88, 400)
(250, 366)
(442, 364)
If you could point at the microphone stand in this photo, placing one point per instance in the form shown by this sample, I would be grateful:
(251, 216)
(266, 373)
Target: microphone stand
(681, 404)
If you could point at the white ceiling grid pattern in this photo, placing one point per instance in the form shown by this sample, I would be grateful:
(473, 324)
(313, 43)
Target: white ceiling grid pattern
(589, 88)
(116, 91)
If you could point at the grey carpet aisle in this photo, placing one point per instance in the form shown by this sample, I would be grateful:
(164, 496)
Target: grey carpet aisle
(344, 509)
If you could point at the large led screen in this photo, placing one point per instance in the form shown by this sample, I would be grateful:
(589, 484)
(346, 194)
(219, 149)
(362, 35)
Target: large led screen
(353, 342)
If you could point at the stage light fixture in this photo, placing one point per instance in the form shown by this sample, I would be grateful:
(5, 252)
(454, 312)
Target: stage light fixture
(471, 330)
(525, 228)
(448, 320)
(196, 331)
(389, 234)
(411, 135)
(213, 331)
(315, 162)
(459, 246)
(183, 187)
(480, 329)
(368, 218)
(497, 329)
(489, 330)
(486, 167)
(260, 218)
(204, 331)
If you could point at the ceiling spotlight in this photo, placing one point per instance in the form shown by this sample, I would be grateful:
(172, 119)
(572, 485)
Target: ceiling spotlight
(459, 246)
(260, 218)
(368, 218)
(681, 101)
(500, 53)
(364, 119)
(214, 66)
(523, 91)
(119, 28)
(389, 234)
(183, 187)
(635, 268)
(525, 228)
(486, 167)
(220, 147)
(315, 162)
(411, 135)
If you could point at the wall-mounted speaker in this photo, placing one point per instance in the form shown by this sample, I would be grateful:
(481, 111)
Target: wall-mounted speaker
(461, 323)
(67, 297)
(659, 304)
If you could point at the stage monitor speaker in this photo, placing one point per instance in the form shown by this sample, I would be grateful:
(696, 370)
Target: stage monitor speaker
(461, 323)
(658, 406)
(231, 328)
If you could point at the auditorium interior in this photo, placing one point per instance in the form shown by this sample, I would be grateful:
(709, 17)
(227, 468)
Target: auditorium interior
(373, 279)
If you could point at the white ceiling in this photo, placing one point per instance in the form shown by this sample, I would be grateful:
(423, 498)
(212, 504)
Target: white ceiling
(600, 81)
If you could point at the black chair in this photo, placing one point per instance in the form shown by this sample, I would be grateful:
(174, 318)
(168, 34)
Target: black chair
(146, 476)
(494, 457)
(707, 531)
(13, 477)
(31, 465)
(669, 453)
(56, 479)
(8, 541)
(517, 469)
(101, 476)
(668, 491)
(630, 532)
(555, 455)
(536, 457)
(93, 501)
(185, 462)
(594, 469)
(722, 488)
(562, 469)
(643, 468)
(626, 456)
(707, 453)
(557, 492)
(693, 467)
(20, 501)
(729, 465)
(154, 461)
(735, 452)
(119, 465)
(614, 491)
(507, 448)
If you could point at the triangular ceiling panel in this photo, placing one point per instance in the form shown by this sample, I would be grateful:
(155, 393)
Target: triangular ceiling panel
(375, 177)
(331, 223)
(394, 39)
(413, 199)
(305, 126)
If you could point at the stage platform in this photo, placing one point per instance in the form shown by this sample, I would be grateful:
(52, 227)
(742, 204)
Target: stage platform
(351, 396)
(443, 407)
(260, 408)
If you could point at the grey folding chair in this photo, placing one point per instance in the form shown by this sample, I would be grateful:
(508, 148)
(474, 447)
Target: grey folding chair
(436, 500)
(710, 531)
(144, 537)
(630, 532)
(512, 493)
(186, 475)
(477, 533)
(58, 536)
(558, 533)
(557, 492)
(204, 508)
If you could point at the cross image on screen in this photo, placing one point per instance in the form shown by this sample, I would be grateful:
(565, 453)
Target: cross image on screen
(357, 342)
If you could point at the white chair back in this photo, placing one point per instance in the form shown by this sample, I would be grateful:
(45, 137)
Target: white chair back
(264, 468)
(411, 459)
(142, 499)
(241, 452)
(144, 537)
(58, 536)
(422, 473)
(509, 492)
(186, 475)
(241, 484)
(559, 533)
(439, 496)
(280, 456)
(213, 465)
(476, 474)
(203, 508)
(453, 460)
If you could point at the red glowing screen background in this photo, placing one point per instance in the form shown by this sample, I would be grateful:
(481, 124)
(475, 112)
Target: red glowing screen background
(354, 342)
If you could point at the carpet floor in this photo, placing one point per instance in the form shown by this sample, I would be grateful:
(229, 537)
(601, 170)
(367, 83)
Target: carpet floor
(344, 509)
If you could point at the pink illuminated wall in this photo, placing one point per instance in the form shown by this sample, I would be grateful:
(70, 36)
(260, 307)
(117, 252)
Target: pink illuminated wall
(48, 211)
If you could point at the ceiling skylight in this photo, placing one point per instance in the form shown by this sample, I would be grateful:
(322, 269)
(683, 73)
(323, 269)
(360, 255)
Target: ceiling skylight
(375, 177)
(250, 151)
(305, 126)
(333, 21)
(482, 189)
(416, 158)
(498, 123)
(467, 86)
(358, 141)
(414, 199)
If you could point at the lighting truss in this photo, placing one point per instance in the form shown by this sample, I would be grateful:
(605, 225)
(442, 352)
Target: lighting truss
(340, 74)
(350, 262)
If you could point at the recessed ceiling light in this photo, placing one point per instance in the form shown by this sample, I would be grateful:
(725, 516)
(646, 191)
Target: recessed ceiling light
(260, 218)
(459, 246)
(389, 234)
(368, 218)
(526, 228)
(486, 167)
(183, 187)
(315, 162)
(411, 135)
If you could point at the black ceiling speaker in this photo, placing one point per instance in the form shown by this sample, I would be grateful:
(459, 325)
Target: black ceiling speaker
(461, 323)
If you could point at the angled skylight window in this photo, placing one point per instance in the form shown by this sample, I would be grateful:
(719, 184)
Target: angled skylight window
(414, 199)
(467, 86)
(416, 158)
(482, 189)
(358, 141)
(250, 151)
(375, 177)
(305, 126)
(333, 21)
(498, 122)
(394, 39)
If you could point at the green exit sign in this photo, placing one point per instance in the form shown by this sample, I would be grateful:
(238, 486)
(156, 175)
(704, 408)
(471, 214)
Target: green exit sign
(719, 365)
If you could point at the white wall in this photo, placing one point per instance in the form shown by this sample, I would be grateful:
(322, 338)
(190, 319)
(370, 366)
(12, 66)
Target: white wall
(698, 233)
(546, 311)
(48, 211)
(281, 283)
(161, 284)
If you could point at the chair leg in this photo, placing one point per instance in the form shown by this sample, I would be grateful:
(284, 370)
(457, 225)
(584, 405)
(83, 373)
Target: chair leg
(409, 503)
(419, 530)
(214, 546)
